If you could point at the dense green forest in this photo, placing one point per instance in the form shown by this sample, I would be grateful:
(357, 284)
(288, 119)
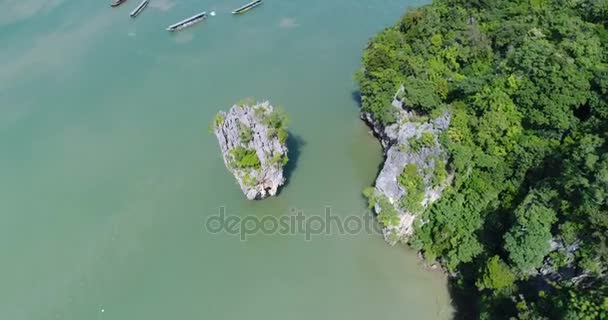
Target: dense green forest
(523, 229)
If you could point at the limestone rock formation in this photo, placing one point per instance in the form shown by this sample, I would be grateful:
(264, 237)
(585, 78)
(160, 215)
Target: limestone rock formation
(252, 139)
(414, 173)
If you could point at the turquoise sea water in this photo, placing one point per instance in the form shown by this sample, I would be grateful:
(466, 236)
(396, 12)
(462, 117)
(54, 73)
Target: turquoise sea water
(108, 171)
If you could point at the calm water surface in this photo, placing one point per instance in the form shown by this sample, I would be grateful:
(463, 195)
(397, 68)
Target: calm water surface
(108, 171)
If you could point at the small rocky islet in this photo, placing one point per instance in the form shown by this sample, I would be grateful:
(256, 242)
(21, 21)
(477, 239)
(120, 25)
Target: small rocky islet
(253, 143)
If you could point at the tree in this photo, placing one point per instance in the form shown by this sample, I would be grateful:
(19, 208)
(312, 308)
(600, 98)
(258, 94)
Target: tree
(528, 240)
(495, 275)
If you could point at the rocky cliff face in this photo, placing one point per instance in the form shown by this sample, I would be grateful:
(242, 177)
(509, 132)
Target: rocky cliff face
(252, 140)
(414, 173)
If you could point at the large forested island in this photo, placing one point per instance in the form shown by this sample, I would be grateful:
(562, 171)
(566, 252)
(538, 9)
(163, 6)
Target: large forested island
(522, 226)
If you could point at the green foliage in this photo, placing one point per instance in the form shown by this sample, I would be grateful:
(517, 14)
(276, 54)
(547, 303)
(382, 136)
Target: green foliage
(495, 275)
(282, 135)
(246, 102)
(245, 133)
(370, 194)
(417, 118)
(436, 40)
(528, 240)
(526, 83)
(414, 186)
(277, 119)
(279, 159)
(249, 180)
(245, 158)
(421, 94)
(440, 173)
(388, 215)
(410, 179)
(259, 111)
(217, 122)
(426, 140)
(586, 305)
(277, 122)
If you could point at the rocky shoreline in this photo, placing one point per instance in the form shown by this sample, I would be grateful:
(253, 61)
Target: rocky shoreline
(252, 139)
(414, 173)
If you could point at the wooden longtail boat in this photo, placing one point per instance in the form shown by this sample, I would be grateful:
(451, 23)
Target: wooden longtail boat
(116, 3)
(247, 7)
(139, 8)
(188, 22)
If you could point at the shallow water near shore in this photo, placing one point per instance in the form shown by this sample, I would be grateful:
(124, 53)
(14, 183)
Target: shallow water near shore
(109, 172)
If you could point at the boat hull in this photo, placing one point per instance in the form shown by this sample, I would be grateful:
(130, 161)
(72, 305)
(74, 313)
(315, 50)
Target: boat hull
(139, 8)
(117, 3)
(247, 7)
(187, 22)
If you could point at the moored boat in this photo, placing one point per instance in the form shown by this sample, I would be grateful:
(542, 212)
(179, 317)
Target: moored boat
(139, 8)
(116, 3)
(247, 7)
(188, 22)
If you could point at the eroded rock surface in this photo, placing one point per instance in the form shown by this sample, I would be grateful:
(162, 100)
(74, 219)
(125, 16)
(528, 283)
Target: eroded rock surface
(252, 140)
(414, 174)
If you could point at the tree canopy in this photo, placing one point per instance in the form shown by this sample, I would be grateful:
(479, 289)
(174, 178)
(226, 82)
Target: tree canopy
(526, 82)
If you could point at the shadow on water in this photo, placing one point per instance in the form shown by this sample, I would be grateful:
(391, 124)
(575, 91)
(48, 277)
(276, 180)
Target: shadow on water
(294, 144)
(463, 294)
(356, 96)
